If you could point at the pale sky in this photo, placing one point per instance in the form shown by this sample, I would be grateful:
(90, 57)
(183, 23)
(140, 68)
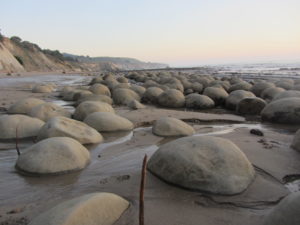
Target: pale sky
(177, 32)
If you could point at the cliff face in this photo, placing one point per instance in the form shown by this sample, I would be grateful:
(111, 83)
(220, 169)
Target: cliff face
(17, 56)
(23, 56)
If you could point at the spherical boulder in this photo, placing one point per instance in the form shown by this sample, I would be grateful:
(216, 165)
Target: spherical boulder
(168, 127)
(19, 125)
(286, 212)
(151, 94)
(65, 127)
(284, 110)
(100, 89)
(218, 95)
(90, 209)
(171, 98)
(42, 89)
(197, 101)
(251, 106)
(122, 79)
(48, 110)
(95, 98)
(235, 97)
(285, 84)
(138, 89)
(108, 122)
(269, 93)
(88, 107)
(259, 87)
(209, 164)
(240, 86)
(134, 104)
(122, 96)
(24, 106)
(53, 156)
(287, 94)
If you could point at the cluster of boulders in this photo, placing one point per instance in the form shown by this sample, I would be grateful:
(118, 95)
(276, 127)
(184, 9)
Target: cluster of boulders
(201, 163)
(246, 97)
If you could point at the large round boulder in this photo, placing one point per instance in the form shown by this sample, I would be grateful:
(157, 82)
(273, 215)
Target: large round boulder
(171, 98)
(151, 94)
(286, 84)
(24, 106)
(217, 94)
(269, 93)
(95, 98)
(169, 127)
(259, 87)
(48, 110)
(108, 122)
(89, 209)
(286, 212)
(244, 85)
(287, 94)
(100, 89)
(42, 89)
(88, 107)
(251, 106)
(65, 127)
(197, 101)
(284, 110)
(122, 96)
(19, 125)
(235, 97)
(209, 164)
(138, 89)
(53, 156)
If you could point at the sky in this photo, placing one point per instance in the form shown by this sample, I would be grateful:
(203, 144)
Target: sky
(176, 32)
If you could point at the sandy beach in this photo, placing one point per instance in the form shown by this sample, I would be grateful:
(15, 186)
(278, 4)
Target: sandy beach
(116, 165)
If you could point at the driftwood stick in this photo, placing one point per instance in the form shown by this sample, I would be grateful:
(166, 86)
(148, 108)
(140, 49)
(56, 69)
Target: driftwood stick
(142, 188)
(17, 142)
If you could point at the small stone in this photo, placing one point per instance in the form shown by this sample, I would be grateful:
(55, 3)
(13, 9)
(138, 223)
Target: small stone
(256, 132)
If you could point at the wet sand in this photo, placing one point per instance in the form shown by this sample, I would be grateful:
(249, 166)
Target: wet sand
(115, 167)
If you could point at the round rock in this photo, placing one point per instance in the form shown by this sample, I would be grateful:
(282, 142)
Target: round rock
(24, 106)
(218, 95)
(122, 96)
(54, 156)
(209, 164)
(286, 212)
(284, 110)
(90, 209)
(48, 110)
(251, 106)
(197, 101)
(26, 126)
(88, 107)
(65, 127)
(235, 97)
(168, 127)
(108, 122)
(171, 98)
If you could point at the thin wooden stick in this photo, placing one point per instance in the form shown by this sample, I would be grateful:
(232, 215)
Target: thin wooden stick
(17, 142)
(142, 188)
